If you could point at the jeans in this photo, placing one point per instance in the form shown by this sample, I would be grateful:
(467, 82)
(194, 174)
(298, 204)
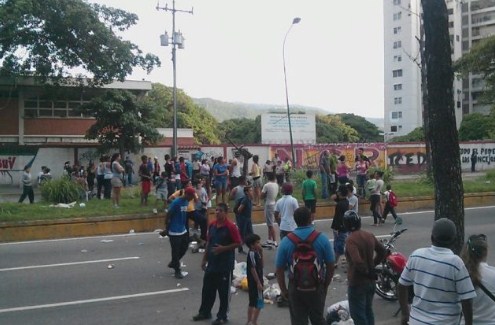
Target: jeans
(27, 191)
(375, 208)
(388, 208)
(361, 303)
(307, 305)
(361, 180)
(324, 185)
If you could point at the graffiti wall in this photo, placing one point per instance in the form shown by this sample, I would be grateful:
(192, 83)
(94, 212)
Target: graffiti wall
(308, 156)
(403, 158)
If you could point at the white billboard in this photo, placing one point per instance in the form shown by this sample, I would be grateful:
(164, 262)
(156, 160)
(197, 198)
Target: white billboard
(275, 128)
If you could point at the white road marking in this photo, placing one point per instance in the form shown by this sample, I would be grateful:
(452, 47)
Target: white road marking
(68, 264)
(88, 301)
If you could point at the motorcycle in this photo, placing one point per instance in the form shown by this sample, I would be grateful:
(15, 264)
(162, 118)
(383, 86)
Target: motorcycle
(390, 268)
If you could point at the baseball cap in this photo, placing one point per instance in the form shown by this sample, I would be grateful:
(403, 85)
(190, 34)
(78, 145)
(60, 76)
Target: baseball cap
(287, 188)
(444, 231)
(189, 190)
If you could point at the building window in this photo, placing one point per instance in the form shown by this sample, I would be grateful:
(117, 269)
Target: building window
(398, 15)
(37, 106)
(397, 73)
(393, 128)
(397, 100)
(398, 87)
(397, 30)
(396, 115)
(397, 44)
(450, 11)
(396, 2)
(451, 24)
(397, 58)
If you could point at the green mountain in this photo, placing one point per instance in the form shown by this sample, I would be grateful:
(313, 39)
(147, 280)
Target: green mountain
(225, 111)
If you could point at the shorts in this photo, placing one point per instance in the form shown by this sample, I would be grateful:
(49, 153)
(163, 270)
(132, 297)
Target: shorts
(253, 294)
(220, 184)
(257, 182)
(146, 186)
(116, 182)
(339, 242)
(161, 195)
(311, 205)
(270, 215)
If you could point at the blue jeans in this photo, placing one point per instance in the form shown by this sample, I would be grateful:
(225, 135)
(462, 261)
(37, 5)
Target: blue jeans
(324, 185)
(361, 303)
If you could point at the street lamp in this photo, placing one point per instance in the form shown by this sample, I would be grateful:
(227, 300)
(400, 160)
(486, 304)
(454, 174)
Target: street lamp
(294, 21)
(177, 41)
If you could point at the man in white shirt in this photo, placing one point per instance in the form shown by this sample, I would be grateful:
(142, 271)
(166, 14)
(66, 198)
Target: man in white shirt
(375, 199)
(441, 282)
(235, 172)
(284, 211)
(352, 198)
(269, 193)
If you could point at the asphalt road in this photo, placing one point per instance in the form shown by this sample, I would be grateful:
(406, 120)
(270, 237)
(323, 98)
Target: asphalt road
(69, 281)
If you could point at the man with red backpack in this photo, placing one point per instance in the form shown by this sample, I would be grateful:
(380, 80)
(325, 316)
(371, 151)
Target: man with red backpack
(390, 203)
(309, 257)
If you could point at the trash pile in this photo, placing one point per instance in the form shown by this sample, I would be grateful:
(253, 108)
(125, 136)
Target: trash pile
(271, 292)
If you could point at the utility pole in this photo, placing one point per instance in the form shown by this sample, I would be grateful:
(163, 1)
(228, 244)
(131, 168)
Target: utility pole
(177, 41)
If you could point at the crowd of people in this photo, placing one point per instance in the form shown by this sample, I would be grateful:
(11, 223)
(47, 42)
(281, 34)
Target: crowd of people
(447, 288)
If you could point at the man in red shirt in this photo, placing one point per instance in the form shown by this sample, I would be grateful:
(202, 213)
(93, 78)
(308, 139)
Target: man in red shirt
(218, 263)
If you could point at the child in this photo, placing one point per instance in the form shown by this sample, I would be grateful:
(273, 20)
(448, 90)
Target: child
(309, 194)
(161, 191)
(389, 204)
(145, 175)
(254, 277)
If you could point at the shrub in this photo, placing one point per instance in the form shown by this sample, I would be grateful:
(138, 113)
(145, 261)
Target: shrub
(61, 190)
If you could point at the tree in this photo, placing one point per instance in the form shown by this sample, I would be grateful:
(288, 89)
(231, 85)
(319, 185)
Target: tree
(241, 131)
(50, 38)
(122, 121)
(440, 125)
(416, 135)
(480, 60)
(189, 114)
(331, 129)
(477, 126)
(368, 132)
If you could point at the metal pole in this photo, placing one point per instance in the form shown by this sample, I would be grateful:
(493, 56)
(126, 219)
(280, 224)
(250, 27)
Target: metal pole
(294, 158)
(174, 63)
(175, 150)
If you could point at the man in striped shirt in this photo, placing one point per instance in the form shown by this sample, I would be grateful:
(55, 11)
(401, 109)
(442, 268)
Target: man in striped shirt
(442, 286)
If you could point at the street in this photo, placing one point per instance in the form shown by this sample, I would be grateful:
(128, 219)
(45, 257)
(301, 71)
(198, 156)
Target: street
(123, 279)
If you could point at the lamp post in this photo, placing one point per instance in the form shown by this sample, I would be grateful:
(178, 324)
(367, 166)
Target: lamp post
(177, 41)
(294, 161)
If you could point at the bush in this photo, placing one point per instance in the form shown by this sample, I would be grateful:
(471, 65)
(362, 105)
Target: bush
(61, 190)
(388, 174)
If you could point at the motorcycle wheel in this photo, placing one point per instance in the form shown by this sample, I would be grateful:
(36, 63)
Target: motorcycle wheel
(386, 285)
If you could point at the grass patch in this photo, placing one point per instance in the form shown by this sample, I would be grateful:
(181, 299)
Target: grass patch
(130, 203)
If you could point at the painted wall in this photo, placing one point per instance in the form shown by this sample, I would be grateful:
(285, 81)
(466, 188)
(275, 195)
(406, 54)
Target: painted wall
(404, 158)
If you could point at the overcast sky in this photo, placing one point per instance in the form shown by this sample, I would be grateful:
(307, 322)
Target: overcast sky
(233, 50)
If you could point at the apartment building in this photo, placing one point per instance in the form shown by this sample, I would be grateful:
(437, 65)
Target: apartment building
(469, 22)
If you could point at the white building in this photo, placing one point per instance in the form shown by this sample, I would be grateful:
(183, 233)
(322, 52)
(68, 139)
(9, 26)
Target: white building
(469, 21)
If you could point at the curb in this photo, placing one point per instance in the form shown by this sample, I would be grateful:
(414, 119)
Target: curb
(95, 226)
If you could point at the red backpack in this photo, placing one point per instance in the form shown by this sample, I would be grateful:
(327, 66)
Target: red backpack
(392, 199)
(305, 271)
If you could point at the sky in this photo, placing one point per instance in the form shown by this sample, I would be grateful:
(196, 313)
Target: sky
(233, 50)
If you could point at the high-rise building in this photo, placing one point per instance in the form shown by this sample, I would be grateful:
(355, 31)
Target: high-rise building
(469, 22)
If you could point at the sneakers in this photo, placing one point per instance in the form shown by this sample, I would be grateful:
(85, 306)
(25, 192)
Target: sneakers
(179, 275)
(272, 242)
(155, 211)
(220, 321)
(201, 317)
